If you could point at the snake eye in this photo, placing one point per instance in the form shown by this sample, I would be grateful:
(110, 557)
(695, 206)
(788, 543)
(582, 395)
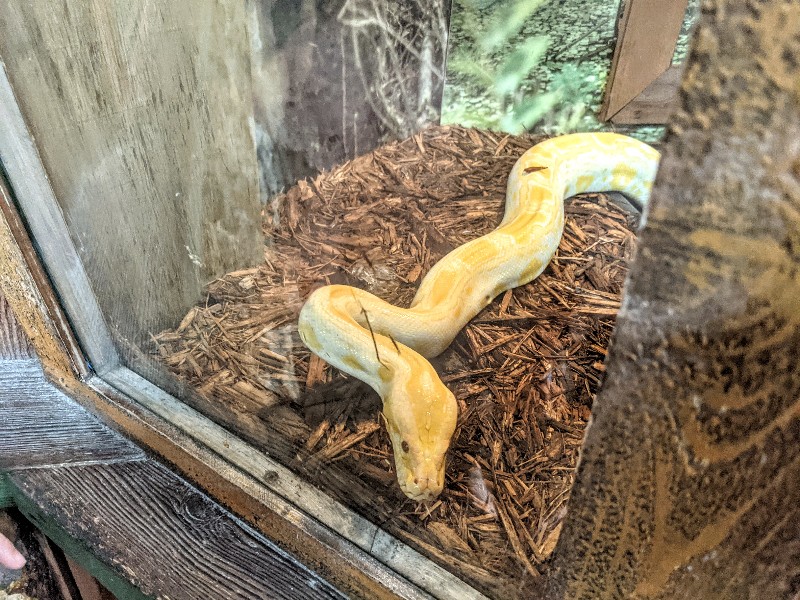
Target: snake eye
(404, 446)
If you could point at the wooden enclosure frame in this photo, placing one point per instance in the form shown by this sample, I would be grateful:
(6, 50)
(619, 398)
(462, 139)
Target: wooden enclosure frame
(642, 86)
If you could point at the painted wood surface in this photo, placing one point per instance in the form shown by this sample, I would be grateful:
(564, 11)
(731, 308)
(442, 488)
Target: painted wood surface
(689, 481)
(141, 112)
(365, 533)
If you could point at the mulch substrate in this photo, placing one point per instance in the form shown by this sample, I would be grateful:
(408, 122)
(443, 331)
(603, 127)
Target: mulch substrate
(525, 371)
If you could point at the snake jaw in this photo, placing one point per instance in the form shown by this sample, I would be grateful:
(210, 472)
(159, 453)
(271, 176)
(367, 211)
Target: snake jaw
(420, 440)
(420, 473)
(422, 481)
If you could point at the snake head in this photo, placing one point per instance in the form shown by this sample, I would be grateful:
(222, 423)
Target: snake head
(421, 417)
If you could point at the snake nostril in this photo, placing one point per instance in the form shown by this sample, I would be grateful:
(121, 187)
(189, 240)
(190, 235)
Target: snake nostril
(416, 481)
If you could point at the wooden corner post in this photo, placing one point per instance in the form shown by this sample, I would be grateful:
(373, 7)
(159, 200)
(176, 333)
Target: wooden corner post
(642, 84)
(689, 482)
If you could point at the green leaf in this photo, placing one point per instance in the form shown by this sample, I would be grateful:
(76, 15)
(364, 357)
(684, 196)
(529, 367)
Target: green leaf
(529, 112)
(508, 22)
(519, 65)
(467, 12)
(470, 67)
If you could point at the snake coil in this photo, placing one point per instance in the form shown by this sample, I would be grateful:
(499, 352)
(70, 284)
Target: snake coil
(385, 345)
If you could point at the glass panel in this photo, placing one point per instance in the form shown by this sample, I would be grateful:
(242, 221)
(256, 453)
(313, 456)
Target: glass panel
(176, 157)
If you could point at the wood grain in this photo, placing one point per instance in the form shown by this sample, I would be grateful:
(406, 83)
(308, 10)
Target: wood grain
(26, 290)
(43, 427)
(354, 527)
(140, 112)
(34, 271)
(206, 548)
(689, 482)
(647, 33)
(145, 518)
(13, 343)
(656, 103)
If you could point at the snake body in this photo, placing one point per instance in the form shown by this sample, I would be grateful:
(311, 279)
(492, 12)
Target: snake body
(386, 346)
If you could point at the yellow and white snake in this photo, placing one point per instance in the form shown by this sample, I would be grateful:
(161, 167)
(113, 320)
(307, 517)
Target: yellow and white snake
(385, 345)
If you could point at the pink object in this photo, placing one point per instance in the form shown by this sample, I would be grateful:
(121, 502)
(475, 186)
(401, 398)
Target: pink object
(10, 556)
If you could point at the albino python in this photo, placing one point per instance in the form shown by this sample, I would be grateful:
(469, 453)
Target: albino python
(385, 345)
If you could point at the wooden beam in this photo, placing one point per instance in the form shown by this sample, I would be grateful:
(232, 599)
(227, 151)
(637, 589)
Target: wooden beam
(646, 36)
(655, 105)
(13, 343)
(689, 480)
(42, 427)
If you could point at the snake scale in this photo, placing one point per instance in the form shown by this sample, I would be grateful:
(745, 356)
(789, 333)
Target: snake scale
(386, 346)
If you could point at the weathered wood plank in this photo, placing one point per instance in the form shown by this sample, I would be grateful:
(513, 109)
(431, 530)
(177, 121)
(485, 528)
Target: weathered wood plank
(656, 103)
(185, 545)
(25, 289)
(689, 482)
(141, 114)
(351, 525)
(34, 271)
(648, 30)
(41, 426)
(13, 343)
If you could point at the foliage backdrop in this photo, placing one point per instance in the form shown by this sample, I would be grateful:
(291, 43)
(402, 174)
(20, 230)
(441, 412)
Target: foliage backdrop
(557, 87)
